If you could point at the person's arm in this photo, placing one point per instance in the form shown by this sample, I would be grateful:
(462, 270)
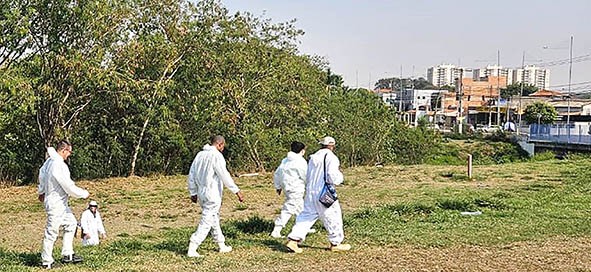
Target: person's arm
(62, 175)
(333, 173)
(41, 187)
(101, 227)
(85, 224)
(277, 180)
(219, 166)
(302, 169)
(192, 184)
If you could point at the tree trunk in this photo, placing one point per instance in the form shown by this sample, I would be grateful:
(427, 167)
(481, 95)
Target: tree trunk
(137, 147)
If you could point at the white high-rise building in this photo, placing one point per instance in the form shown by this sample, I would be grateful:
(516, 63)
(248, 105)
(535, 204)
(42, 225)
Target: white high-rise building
(444, 74)
(532, 75)
(494, 70)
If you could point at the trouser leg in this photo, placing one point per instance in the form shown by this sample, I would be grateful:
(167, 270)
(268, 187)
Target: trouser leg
(332, 220)
(293, 205)
(304, 221)
(50, 235)
(216, 230)
(207, 222)
(69, 222)
(282, 219)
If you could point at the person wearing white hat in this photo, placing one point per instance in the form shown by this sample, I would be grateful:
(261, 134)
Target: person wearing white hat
(92, 226)
(55, 187)
(207, 177)
(323, 163)
(290, 177)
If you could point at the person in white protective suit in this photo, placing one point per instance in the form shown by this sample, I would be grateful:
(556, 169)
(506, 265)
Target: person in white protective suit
(290, 177)
(55, 186)
(331, 217)
(92, 226)
(207, 176)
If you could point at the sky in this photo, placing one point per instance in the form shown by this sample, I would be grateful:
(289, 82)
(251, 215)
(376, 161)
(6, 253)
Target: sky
(365, 40)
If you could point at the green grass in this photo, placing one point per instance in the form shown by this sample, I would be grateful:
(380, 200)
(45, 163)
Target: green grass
(416, 207)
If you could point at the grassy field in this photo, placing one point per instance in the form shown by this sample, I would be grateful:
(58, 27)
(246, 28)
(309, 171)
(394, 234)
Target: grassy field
(535, 216)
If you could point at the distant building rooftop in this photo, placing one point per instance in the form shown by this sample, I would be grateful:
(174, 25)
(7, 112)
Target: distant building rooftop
(547, 93)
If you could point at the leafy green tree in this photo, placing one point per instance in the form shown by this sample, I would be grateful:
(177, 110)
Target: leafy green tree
(419, 84)
(140, 85)
(15, 38)
(422, 84)
(412, 145)
(515, 89)
(542, 111)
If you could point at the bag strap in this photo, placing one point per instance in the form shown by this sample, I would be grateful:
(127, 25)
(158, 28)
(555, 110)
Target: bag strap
(325, 177)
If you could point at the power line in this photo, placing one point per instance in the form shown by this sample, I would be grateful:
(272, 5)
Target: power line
(582, 58)
(564, 85)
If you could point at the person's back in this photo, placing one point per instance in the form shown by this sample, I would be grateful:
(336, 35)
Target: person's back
(203, 170)
(290, 177)
(291, 174)
(323, 162)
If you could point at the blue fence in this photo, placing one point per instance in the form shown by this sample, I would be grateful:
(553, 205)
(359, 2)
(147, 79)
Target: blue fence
(561, 133)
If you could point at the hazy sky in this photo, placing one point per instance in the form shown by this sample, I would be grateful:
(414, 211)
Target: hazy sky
(372, 39)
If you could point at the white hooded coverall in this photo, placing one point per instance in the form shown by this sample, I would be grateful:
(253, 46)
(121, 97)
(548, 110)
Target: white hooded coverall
(290, 177)
(313, 210)
(91, 224)
(56, 184)
(207, 177)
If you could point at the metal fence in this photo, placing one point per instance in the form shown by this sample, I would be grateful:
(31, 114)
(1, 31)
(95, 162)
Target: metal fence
(561, 133)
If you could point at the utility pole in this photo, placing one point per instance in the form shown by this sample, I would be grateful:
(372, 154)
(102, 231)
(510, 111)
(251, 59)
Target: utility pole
(570, 72)
(400, 100)
(498, 87)
(521, 90)
(414, 96)
(460, 94)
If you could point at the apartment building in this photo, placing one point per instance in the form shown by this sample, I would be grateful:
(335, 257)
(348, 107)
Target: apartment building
(445, 74)
(532, 75)
(493, 70)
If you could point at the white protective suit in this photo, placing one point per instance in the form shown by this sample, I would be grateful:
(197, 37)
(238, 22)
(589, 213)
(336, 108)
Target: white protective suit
(313, 210)
(91, 224)
(56, 184)
(290, 177)
(207, 177)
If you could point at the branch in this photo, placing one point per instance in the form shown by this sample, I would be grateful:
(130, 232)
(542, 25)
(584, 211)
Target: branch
(76, 112)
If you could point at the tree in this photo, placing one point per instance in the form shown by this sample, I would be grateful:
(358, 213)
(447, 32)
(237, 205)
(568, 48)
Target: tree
(15, 38)
(419, 84)
(540, 111)
(333, 80)
(515, 89)
(422, 84)
(139, 85)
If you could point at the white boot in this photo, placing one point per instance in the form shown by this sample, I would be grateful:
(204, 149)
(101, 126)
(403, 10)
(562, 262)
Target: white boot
(224, 248)
(192, 252)
(277, 232)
